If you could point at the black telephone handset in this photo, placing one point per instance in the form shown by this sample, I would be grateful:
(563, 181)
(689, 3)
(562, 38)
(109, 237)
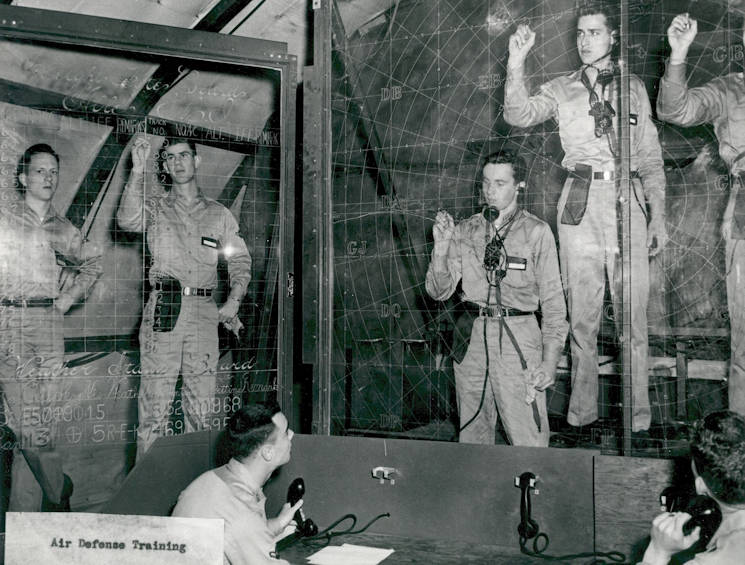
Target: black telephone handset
(527, 528)
(305, 526)
(706, 514)
(704, 510)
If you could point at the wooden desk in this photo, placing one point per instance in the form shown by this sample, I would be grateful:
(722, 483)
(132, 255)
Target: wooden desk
(429, 552)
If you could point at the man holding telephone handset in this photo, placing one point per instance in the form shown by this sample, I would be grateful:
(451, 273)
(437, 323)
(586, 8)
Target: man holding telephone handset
(506, 259)
(259, 440)
(718, 463)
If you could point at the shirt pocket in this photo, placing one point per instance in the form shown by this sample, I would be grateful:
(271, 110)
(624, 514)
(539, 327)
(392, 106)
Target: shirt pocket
(208, 242)
(576, 126)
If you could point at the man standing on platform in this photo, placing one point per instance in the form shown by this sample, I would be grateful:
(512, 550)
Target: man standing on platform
(585, 103)
(186, 232)
(506, 258)
(37, 243)
(720, 102)
(260, 440)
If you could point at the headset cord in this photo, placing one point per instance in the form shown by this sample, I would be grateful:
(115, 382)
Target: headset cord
(493, 284)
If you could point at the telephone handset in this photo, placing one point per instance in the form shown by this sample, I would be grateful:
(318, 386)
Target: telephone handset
(305, 526)
(490, 213)
(704, 510)
(706, 514)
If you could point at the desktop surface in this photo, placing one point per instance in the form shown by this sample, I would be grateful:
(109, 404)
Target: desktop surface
(410, 550)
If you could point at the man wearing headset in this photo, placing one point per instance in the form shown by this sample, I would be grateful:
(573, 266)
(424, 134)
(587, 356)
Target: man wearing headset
(720, 102)
(506, 259)
(718, 463)
(584, 103)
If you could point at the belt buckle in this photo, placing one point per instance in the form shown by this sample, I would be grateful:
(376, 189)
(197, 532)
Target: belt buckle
(187, 290)
(606, 175)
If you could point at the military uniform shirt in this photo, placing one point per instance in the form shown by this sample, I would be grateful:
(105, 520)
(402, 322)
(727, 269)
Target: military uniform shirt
(248, 540)
(566, 99)
(184, 240)
(34, 251)
(720, 102)
(529, 238)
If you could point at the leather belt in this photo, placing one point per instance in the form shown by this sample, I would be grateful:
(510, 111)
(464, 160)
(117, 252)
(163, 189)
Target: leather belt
(502, 312)
(27, 302)
(601, 175)
(191, 291)
(172, 285)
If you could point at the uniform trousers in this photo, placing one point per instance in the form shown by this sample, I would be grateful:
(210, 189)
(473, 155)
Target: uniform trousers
(735, 266)
(31, 359)
(191, 349)
(588, 251)
(506, 387)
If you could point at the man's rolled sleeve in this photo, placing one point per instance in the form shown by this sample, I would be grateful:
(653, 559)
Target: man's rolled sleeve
(441, 283)
(679, 105)
(521, 109)
(554, 325)
(237, 257)
(81, 260)
(131, 213)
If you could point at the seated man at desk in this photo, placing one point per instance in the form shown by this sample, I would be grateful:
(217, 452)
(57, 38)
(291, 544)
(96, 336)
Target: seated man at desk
(259, 440)
(718, 453)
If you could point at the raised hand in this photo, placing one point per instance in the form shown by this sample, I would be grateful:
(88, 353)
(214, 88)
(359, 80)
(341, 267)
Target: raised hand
(140, 152)
(520, 44)
(443, 231)
(680, 34)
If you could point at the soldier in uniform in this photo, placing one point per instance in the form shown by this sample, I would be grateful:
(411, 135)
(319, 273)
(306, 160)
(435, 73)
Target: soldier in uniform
(720, 102)
(185, 234)
(506, 258)
(37, 243)
(584, 103)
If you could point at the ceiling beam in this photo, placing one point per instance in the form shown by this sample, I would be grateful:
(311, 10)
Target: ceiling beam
(221, 15)
(113, 147)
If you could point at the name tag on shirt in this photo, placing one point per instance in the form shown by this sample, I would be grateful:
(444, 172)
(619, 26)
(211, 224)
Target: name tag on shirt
(210, 242)
(516, 263)
(633, 119)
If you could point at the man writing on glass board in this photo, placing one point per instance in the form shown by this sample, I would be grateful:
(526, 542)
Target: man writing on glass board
(186, 232)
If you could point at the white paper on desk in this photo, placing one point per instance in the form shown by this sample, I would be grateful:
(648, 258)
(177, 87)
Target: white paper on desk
(349, 554)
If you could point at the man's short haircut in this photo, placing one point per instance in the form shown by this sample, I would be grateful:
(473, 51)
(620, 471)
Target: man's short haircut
(25, 161)
(169, 141)
(508, 157)
(718, 452)
(607, 9)
(249, 428)
(175, 140)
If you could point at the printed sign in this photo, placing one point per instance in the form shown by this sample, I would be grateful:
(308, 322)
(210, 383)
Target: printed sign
(78, 538)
